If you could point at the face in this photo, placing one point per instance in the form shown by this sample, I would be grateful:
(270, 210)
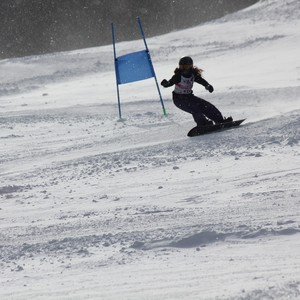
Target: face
(185, 68)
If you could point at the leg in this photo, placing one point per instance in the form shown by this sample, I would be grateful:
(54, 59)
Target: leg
(199, 108)
(190, 105)
(201, 120)
(208, 109)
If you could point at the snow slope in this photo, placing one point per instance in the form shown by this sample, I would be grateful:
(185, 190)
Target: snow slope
(92, 207)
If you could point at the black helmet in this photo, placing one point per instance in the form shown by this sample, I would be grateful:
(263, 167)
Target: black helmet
(185, 60)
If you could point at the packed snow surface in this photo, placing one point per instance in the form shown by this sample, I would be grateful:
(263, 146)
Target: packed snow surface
(93, 207)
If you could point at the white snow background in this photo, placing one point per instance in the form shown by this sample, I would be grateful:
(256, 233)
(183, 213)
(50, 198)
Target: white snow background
(96, 208)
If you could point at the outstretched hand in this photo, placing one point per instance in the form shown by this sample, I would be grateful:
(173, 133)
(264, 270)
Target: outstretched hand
(164, 83)
(210, 88)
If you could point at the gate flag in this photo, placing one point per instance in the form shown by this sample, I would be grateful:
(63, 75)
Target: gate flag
(134, 67)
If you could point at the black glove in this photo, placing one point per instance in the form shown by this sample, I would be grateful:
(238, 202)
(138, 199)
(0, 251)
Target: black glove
(210, 88)
(164, 83)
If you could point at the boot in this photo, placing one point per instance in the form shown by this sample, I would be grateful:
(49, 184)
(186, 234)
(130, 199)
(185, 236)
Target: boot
(228, 120)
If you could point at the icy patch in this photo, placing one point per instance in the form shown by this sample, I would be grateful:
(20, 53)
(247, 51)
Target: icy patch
(205, 238)
(10, 189)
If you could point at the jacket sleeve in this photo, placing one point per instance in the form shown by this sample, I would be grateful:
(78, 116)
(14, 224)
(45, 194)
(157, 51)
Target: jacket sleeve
(199, 79)
(175, 79)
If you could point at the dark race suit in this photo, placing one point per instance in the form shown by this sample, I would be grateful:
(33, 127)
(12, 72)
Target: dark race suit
(184, 98)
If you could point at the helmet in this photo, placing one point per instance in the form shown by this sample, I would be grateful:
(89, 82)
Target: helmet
(185, 60)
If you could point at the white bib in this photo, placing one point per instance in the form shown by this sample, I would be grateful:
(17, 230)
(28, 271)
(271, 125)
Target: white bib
(185, 85)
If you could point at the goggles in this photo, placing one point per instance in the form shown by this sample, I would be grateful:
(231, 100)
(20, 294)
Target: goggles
(185, 67)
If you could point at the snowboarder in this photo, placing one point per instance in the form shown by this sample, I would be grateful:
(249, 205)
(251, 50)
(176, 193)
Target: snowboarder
(204, 113)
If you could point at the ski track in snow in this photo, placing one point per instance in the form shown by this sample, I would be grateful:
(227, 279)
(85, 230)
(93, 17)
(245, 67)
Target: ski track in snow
(97, 208)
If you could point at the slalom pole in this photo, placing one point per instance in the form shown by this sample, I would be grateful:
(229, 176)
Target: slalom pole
(147, 50)
(116, 69)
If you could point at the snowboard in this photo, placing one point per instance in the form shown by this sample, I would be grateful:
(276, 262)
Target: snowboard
(200, 130)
